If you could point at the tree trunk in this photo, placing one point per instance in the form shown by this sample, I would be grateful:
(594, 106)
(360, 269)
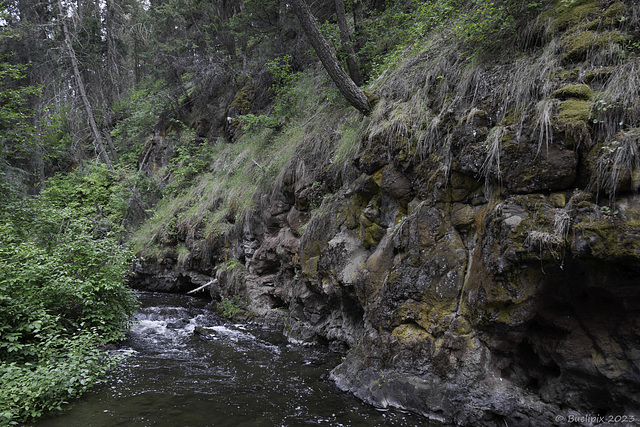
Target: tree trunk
(353, 94)
(347, 43)
(358, 23)
(112, 148)
(83, 94)
(113, 67)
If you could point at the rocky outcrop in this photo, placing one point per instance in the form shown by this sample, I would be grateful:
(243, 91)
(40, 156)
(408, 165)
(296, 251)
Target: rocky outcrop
(481, 266)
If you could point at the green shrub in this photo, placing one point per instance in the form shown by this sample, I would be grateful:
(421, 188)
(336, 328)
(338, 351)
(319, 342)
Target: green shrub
(229, 308)
(114, 200)
(137, 115)
(286, 91)
(62, 296)
(192, 158)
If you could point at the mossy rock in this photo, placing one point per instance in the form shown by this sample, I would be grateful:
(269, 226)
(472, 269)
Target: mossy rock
(241, 105)
(572, 74)
(610, 19)
(509, 299)
(615, 159)
(374, 153)
(577, 91)
(599, 75)
(574, 110)
(578, 45)
(393, 182)
(478, 118)
(564, 16)
(607, 240)
(370, 235)
(243, 101)
(572, 122)
(512, 117)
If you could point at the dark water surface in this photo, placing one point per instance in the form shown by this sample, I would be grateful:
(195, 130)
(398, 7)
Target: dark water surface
(234, 375)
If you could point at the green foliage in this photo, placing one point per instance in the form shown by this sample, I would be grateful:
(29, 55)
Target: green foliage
(29, 391)
(193, 157)
(83, 188)
(229, 308)
(16, 122)
(252, 123)
(385, 32)
(114, 200)
(286, 92)
(284, 85)
(138, 112)
(231, 265)
(478, 25)
(62, 295)
(486, 23)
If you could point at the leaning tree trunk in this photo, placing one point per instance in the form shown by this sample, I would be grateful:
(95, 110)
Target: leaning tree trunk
(83, 94)
(353, 94)
(347, 43)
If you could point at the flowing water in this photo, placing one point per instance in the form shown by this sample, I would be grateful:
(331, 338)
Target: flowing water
(174, 373)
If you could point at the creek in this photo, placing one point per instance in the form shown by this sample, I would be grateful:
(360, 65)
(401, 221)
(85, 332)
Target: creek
(172, 374)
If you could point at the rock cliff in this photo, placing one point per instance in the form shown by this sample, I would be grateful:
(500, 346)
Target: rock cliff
(479, 253)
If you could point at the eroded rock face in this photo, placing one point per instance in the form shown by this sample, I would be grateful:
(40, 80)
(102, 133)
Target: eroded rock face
(465, 303)
(481, 281)
(517, 316)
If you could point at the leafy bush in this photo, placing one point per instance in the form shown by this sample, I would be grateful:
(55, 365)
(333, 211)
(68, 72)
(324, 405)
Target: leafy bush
(62, 296)
(114, 200)
(193, 156)
(286, 92)
(137, 115)
(229, 308)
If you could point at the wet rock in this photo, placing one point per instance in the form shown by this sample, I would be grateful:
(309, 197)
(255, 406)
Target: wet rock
(532, 169)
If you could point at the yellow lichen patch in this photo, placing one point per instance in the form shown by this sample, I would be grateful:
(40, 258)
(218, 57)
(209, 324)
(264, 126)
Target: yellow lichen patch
(436, 315)
(558, 200)
(310, 268)
(461, 326)
(371, 234)
(411, 333)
